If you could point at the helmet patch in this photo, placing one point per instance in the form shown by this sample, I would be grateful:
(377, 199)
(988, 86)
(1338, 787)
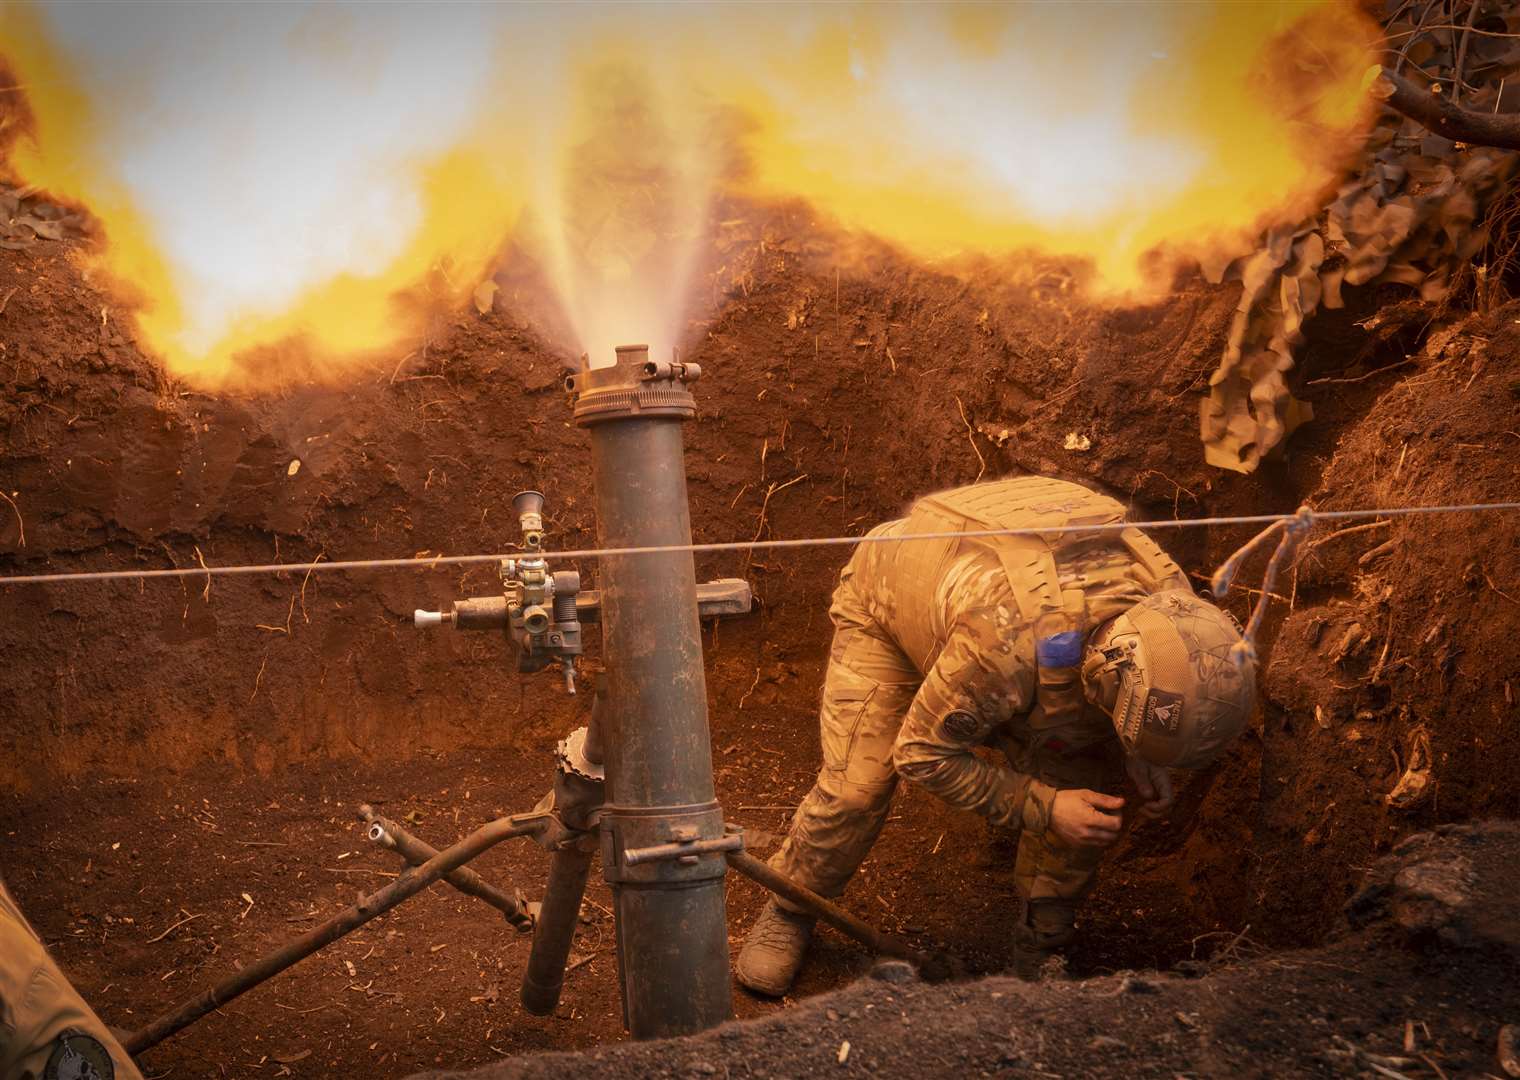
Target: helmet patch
(1163, 711)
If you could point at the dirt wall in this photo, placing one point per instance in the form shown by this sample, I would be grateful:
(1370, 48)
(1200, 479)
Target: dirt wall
(858, 391)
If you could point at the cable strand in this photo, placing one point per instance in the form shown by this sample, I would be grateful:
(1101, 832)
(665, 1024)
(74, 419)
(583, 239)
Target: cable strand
(436, 561)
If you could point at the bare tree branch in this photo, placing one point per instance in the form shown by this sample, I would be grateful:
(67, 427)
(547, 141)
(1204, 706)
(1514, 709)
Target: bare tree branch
(1456, 71)
(1445, 118)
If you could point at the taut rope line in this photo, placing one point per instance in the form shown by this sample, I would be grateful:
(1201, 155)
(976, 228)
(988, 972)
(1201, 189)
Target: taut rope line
(323, 566)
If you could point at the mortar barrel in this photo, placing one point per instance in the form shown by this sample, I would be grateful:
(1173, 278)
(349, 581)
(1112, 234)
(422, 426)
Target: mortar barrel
(672, 930)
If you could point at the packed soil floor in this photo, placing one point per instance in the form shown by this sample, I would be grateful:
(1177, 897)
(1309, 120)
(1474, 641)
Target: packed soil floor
(1411, 989)
(180, 761)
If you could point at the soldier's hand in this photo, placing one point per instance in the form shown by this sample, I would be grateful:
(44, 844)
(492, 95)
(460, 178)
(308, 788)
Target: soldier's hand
(1086, 818)
(1154, 782)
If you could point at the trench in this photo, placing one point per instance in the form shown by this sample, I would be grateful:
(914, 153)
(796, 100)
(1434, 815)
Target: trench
(182, 751)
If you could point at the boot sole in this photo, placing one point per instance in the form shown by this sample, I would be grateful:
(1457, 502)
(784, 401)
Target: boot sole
(761, 986)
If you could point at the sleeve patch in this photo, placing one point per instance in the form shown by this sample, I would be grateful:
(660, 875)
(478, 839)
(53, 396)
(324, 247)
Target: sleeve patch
(961, 725)
(77, 1056)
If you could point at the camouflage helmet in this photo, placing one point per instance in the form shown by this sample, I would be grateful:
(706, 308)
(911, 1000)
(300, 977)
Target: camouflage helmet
(1179, 695)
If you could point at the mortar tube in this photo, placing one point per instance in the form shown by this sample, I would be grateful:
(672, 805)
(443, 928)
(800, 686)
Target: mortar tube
(672, 931)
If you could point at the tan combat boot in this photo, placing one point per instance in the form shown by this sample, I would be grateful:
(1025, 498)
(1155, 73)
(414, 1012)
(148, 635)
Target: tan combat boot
(773, 950)
(1038, 937)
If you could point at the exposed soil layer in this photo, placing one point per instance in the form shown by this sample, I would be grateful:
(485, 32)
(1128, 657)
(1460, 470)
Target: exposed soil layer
(201, 729)
(1421, 988)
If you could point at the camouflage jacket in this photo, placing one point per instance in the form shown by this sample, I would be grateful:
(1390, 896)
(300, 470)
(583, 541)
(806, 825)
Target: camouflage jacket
(956, 609)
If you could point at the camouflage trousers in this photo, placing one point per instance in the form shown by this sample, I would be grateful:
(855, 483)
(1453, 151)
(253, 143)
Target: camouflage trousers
(866, 692)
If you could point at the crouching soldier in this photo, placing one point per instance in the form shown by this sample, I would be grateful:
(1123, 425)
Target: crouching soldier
(47, 1032)
(1085, 656)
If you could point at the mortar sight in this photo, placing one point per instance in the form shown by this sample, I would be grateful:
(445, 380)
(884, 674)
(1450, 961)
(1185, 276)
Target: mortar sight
(536, 619)
(529, 507)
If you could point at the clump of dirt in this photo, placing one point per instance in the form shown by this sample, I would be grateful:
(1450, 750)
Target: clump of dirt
(213, 738)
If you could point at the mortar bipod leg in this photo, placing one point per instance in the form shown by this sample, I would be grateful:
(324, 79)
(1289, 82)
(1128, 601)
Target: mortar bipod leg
(411, 882)
(381, 830)
(554, 931)
(579, 792)
(886, 944)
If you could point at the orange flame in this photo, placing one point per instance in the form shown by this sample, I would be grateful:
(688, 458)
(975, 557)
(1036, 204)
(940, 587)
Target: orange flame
(288, 187)
(1101, 131)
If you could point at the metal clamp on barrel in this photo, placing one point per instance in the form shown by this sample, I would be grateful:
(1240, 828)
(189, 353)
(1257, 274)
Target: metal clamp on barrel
(683, 851)
(645, 845)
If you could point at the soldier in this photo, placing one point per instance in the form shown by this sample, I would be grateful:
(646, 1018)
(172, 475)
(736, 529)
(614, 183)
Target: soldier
(1085, 657)
(47, 1032)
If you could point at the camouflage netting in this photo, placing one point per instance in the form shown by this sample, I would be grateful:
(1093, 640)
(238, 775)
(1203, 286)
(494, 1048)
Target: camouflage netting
(1413, 215)
(26, 218)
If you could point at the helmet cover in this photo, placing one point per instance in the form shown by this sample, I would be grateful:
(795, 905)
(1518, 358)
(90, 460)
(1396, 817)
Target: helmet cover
(1180, 696)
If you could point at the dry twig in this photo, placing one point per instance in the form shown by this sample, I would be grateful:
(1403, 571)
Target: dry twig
(971, 435)
(1440, 1073)
(1347, 532)
(172, 928)
(750, 691)
(19, 523)
(258, 679)
(1447, 26)
(1377, 670)
(1456, 70)
(206, 592)
(1446, 118)
(582, 962)
(1496, 588)
(360, 870)
(1364, 376)
(1054, 399)
(315, 1008)
(305, 617)
(1378, 552)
